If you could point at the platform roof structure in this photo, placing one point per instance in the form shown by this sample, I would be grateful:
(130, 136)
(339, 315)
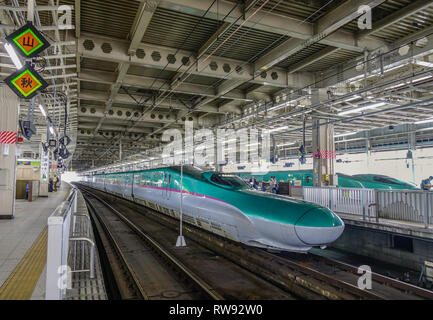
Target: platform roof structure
(132, 69)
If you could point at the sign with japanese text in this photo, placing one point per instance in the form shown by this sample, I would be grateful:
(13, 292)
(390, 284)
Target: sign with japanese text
(26, 82)
(28, 41)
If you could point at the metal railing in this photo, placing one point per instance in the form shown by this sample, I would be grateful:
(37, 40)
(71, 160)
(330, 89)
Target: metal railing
(406, 205)
(58, 277)
(400, 205)
(345, 200)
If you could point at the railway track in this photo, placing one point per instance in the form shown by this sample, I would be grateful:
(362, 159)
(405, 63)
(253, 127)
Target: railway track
(387, 287)
(146, 265)
(303, 280)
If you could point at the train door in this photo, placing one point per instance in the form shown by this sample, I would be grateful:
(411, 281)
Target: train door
(163, 188)
(166, 186)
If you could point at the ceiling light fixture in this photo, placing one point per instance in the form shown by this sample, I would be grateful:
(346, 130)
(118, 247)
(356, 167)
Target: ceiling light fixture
(359, 109)
(13, 55)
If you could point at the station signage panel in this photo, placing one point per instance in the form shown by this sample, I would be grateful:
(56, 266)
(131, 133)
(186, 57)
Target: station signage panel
(26, 82)
(28, 41)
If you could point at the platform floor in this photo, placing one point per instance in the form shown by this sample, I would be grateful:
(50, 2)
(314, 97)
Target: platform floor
(17, 236)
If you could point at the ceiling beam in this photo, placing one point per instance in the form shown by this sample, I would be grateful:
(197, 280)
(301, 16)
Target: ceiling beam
(312, 59)
(124, 99)
(142, 20)
(270, 22)
(325, 26)
(105, 77)
(155, 57)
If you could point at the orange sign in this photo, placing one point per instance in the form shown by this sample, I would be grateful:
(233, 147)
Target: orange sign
(26, 82)
(28, 41)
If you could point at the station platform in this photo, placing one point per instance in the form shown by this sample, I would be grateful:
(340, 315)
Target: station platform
(410, 229)
(23, 247)
(23, 251)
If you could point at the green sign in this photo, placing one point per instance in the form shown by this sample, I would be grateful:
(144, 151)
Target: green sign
(28, 41)
(26, 82)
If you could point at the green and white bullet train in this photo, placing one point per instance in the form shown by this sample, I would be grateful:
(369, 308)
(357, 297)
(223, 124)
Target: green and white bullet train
(304, 178)
(224, 204)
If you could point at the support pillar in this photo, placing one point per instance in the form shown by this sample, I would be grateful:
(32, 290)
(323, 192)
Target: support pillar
(323, 154)
(9, 108)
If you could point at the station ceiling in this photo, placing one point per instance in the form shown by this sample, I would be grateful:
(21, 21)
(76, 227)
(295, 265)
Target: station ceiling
(132, 69)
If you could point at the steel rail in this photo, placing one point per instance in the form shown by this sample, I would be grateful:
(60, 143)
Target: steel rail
(397, 284)
(122, 259)
(206, 288)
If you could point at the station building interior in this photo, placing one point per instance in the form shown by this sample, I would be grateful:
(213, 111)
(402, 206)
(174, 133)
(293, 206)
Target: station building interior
(146, 145)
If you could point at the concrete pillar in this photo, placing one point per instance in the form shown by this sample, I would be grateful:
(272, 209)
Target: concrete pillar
(9, 109)
(323, 154)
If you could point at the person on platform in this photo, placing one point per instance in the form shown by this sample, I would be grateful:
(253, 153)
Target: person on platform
(427, 184)
(253, 182)
(55, 183)
(50, 185)
(271, 186)
(27, 191)
(276, 186)
(260, 186)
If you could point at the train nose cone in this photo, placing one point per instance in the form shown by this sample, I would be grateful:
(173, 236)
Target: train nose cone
(319, 226)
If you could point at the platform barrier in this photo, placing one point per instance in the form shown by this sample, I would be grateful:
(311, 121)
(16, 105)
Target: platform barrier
(406, 205)
(400, 205)
(345, 200)
(60, 233)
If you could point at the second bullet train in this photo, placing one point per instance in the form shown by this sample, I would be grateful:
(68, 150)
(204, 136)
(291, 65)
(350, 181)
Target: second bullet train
(226, 205)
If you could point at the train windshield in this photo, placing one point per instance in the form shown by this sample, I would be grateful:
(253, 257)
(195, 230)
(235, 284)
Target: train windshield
(228, 180)
(385, 179)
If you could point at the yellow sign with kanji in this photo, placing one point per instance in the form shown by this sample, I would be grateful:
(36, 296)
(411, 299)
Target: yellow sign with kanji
(28, 41)
(26, 82)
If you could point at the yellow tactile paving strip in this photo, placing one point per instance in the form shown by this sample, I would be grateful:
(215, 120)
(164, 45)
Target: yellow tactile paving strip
(23, 279)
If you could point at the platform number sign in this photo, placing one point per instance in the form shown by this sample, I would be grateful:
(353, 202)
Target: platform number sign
(28, 41)
(26, 82)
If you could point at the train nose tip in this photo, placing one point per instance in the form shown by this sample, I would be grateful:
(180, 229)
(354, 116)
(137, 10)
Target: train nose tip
(319, 226)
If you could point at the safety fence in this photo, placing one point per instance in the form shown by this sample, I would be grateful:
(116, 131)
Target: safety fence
(344, 200)
(401, 205)
(406, 205)
(60, 234)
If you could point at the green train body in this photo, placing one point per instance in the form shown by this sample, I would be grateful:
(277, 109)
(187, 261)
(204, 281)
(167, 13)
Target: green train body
(226, 205)
(303, 178)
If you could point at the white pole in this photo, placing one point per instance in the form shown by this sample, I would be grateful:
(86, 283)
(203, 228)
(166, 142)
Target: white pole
(180, 239)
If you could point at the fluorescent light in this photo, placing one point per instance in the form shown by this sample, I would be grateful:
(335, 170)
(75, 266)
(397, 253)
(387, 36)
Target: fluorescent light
(345, 134)
(424, 121)
(42, 110)
(424, 63)
(12, 54)
(370, 106)
(286, 144)
(51, 130)
(278, 129)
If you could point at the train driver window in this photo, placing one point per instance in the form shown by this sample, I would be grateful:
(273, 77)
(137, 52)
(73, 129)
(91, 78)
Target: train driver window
(228, 180)
(308, 179)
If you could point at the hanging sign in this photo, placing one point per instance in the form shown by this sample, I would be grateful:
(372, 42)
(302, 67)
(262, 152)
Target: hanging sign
(28, 41)
(26, 82)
